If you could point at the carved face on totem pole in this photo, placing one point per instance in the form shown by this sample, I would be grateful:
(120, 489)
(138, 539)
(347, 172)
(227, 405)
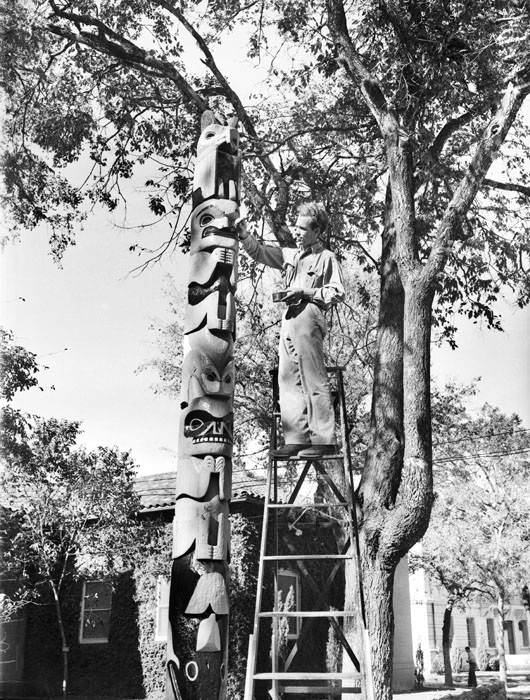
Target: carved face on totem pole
(207, 391)
(213, 274)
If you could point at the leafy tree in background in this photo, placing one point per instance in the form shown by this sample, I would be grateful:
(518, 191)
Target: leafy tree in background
(391, 114)
(478, 544)
(64, 512)
(18, 367)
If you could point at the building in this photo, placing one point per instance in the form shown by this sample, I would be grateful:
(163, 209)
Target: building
(472, 626)
(117, 629)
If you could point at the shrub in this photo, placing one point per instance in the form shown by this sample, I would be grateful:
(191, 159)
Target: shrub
(419, 678)
(437, 662)
(482, 654)
(458, 656)
(493, 663)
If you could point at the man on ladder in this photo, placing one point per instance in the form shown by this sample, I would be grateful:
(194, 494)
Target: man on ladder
(314, 283)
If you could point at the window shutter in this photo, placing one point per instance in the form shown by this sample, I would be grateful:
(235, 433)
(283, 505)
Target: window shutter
(162, 609)
(491, 631)
(471, 637)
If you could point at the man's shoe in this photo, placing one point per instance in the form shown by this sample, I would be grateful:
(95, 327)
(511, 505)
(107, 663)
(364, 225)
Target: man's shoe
(316, 451)
(289, 450)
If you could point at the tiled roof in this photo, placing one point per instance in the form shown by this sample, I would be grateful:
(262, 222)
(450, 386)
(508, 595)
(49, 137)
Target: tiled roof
(157, 491)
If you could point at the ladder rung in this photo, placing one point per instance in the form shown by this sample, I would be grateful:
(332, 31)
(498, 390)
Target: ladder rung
(313, 690)
(289, 557)
(308, 613)
(307, 459)
(307, 505)
(303, 676)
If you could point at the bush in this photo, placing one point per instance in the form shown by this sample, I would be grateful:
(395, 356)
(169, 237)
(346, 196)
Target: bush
(482, 654)
(493, 664)
(419, 678)
(437, 662)
(458, 656)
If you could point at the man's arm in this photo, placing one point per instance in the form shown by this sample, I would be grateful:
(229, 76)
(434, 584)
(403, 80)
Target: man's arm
(332, 290)
(265, 254)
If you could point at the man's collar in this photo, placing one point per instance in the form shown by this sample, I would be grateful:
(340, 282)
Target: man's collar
(318, 247)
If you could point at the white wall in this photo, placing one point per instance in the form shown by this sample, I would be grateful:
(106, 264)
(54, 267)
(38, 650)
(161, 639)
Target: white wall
(403, 672)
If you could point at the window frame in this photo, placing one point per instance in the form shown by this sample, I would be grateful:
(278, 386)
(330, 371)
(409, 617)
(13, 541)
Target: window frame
(93, 640)
(297, 600)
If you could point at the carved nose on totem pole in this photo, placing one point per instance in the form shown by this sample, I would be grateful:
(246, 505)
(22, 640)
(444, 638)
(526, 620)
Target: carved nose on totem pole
(201, 532)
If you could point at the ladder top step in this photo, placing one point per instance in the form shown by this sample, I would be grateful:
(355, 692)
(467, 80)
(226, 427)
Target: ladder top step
(289, 557)
(306, 676)
(308, 613)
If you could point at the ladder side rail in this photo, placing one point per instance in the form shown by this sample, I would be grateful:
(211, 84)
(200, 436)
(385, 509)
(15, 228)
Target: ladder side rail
(348, 474)
(253, 648)
(366, 651)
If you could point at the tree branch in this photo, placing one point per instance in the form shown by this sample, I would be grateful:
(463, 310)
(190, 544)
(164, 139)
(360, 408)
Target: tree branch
(487, 150)
(450, 128)
(508, 186)
(107, 41)
(352, 62)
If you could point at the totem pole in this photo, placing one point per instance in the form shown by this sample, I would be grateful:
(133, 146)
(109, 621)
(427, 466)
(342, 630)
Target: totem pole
(201, 529)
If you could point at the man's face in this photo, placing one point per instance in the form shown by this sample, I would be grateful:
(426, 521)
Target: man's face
(304, 233)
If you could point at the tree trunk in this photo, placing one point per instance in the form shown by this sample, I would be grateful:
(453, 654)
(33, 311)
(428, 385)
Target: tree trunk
(446, 644)
(65, 648)
(499, 634)
(378, 582)
(382, 472)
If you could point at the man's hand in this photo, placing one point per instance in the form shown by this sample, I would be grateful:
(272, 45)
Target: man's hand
(293, 296)
(241, 229)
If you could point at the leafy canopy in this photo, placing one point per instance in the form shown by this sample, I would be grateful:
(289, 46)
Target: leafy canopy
(478, 542)
(118, 86)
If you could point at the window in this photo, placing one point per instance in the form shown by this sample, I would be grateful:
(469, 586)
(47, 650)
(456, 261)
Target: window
(289, 588)
(162, 609)
(523, 628)
(471, 637)
(95, 612)
(491, 631)
(432, 627)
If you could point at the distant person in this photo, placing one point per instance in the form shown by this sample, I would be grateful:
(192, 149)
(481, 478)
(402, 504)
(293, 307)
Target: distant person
(472, 663)
(313, 280)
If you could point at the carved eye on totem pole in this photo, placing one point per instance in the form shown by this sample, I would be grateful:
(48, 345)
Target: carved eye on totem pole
(206, 430)
(207, 427)
(212, 382)
(213, 224)
(218, 136)
(208, 375)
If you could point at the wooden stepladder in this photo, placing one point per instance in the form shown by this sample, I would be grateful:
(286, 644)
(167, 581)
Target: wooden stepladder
(284, 677)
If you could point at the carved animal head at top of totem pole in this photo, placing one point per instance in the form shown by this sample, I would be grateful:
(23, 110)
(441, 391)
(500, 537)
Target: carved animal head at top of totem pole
(218, 163)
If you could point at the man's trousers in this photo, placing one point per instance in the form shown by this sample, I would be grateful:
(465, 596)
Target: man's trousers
(305, 398)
